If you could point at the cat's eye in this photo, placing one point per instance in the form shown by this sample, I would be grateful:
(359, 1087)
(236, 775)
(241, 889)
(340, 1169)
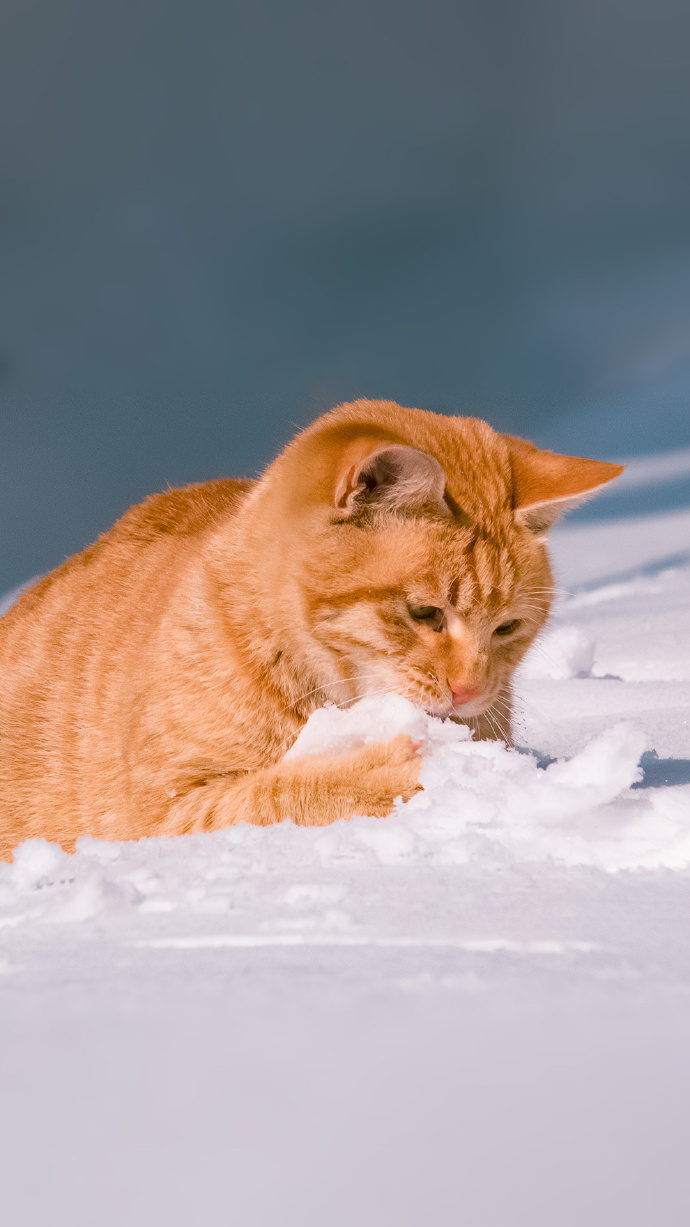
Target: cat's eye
(507, 628)
(430, 615)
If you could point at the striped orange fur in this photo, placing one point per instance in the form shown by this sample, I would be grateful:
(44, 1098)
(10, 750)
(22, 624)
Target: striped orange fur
(152, 683)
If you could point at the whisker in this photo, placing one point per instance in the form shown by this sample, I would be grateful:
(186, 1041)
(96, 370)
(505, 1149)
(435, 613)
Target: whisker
(528, 707)
(550, 591)
(372, 694)
(357, 677)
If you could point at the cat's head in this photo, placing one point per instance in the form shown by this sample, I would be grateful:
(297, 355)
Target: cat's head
(418, 562)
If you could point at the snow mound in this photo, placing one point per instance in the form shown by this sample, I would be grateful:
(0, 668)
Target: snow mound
(483, 805)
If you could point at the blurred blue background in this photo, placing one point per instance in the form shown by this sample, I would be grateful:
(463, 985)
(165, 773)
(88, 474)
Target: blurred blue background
(217, 220)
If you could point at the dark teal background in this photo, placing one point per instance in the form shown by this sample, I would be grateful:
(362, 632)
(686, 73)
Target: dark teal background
(217, 220)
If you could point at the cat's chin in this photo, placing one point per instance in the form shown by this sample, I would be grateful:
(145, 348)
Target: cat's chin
(448, 711)
(442, 712)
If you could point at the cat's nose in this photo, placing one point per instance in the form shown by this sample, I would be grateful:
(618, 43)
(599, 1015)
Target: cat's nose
(463, 694)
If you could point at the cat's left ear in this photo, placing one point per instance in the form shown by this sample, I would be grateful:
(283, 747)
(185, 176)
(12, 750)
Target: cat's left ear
(545, 483)
(393, 478)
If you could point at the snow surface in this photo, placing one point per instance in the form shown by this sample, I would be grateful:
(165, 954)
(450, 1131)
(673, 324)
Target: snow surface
(474, 1012)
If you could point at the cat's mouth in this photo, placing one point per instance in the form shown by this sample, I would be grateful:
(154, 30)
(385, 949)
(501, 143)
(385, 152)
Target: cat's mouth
(461, 710)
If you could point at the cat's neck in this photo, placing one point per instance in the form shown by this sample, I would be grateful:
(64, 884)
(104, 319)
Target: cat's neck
(253, 563)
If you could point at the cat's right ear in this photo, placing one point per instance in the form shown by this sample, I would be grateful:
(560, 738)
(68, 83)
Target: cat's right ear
(393, 478)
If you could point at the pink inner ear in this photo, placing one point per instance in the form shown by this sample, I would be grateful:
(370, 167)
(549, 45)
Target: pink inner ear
(544, 477)
(345, 486)
(352, 461)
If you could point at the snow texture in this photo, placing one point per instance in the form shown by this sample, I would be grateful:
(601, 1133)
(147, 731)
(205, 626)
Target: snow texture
(472, 1012)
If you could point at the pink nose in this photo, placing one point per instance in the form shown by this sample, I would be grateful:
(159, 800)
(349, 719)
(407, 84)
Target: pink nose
(464, 694)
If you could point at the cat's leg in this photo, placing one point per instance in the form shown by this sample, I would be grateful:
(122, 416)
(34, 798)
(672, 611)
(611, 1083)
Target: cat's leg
(312, 791)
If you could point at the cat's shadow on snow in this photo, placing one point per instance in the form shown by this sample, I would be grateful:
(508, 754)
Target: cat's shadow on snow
(658, 772)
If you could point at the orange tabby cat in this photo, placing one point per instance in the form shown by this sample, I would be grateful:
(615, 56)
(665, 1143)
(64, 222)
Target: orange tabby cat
(152, 684)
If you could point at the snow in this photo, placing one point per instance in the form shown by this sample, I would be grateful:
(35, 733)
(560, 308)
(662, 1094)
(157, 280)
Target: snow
(473, 1012)
(565, 652)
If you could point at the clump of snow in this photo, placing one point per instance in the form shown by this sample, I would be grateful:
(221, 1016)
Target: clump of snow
(332, 728)
(566, 652)
(36, 862)
(481, 796)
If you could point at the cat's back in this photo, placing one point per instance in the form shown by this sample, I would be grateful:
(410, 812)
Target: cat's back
(165, 522)
(73, 647)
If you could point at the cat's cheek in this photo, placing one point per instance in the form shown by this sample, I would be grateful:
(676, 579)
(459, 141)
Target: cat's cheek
(513, 650)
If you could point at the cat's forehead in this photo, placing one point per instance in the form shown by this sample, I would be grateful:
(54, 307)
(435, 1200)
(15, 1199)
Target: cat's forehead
(464, 561)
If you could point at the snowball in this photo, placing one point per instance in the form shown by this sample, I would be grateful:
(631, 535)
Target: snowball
(563, 653)
(37, 862)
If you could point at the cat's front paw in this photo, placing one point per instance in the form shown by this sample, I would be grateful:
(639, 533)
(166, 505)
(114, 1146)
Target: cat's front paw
(324, 788)
(389, 769)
